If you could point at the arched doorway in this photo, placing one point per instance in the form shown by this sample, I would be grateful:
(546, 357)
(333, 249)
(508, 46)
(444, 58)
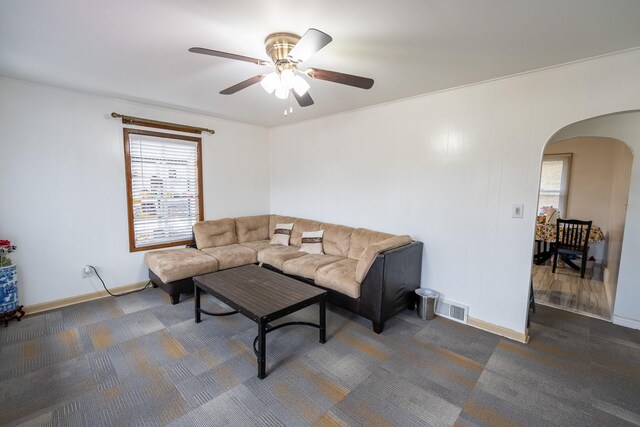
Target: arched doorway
(583, 178)
(624, 127)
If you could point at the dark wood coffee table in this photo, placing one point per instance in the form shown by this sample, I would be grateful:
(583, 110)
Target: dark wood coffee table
(263, 296)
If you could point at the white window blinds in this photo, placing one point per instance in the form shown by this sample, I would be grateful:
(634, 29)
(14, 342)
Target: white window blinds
(164, 184)
(554, 182)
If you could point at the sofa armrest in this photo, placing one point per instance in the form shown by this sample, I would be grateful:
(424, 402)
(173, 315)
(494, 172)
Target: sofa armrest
(389, 285)
(369, 255)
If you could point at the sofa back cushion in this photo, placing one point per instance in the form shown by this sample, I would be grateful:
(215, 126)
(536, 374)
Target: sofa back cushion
(252, 228)
(278, 219)
(210, 234)
(336, 239)
(361, 238)
(301, 225)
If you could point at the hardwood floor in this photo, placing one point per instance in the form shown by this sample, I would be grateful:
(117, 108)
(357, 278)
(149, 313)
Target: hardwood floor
(567, 291)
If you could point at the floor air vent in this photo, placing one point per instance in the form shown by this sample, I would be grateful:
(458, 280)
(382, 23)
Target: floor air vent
(452, 310)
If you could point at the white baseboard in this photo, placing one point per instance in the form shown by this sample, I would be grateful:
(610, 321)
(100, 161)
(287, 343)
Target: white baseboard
(626, 322)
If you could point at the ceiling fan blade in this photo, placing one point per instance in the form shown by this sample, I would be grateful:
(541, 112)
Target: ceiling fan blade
(220, 54)
(243, 85)
(304, 100)
(342, 78)
(311, 42)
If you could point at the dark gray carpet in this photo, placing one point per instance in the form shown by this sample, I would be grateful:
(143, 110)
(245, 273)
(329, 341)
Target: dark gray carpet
(137, 360)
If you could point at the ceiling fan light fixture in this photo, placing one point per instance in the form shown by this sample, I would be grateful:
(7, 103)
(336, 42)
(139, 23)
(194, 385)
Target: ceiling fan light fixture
(270, 82)
(300, 85)
(287, 78)
(282, 92)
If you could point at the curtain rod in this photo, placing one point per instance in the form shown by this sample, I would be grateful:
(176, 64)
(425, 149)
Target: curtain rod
(130, 120)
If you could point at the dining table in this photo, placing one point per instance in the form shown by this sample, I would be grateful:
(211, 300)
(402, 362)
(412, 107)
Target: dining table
(546, 235)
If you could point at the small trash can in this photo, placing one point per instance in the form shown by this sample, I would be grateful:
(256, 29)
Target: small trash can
(427, 300)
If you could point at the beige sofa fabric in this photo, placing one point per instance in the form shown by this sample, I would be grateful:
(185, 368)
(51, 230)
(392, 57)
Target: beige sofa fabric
(220, 232)
(277, 255)
(307, 265)
(258, 245)
(299, 226)
(339, 276)
(232, 255)
(361, 238)
(369, 255)
(336, 239)
(175, 264)
(252, 228)
(279, 219)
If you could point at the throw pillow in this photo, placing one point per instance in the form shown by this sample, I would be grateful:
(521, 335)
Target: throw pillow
(312, 242)
(282, 234)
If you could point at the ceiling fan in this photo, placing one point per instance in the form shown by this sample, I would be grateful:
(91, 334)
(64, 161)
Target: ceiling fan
(288, 51)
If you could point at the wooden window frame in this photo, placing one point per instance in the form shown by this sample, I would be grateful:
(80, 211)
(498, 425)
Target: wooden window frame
(127, 161)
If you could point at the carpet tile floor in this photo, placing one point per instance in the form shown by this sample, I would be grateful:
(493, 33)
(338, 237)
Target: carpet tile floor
(137, 360)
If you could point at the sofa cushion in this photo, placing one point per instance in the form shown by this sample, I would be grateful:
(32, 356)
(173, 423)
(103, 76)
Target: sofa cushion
(278, 219)
(258, 245)
(311, 242)
(277, 255)
(336, 239)
(232, 255)
(301, 225)
(176, 264)
(307, 265)
(220, 232)
(252, 228)
(369, 255)
(282, 234)
(339, 276)
(361, 238)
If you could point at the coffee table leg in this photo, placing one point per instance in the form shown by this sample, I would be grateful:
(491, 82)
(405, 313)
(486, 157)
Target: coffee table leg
(262, 349)
(323, 326)
(196, 299)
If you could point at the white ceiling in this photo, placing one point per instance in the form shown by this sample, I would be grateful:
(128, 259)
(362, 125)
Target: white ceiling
(137, 49)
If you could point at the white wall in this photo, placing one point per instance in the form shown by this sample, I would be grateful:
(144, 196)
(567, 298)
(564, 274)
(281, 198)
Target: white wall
(447, 168)
(623, 158)
(626, 128)
(62, 184)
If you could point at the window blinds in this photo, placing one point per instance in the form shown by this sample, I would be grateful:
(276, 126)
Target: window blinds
(164, 189)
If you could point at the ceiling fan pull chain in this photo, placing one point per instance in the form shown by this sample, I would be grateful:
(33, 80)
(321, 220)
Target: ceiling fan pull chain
(286, 113)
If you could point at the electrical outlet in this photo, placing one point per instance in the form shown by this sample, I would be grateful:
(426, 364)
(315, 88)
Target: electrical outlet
(86, 272)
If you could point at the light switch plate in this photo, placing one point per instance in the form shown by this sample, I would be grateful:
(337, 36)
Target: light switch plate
(516, 211)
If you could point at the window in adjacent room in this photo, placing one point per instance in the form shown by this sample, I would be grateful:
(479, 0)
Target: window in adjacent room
(554, 182)
(164, 188)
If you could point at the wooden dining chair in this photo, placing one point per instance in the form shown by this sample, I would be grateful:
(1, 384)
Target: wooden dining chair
(572, 238)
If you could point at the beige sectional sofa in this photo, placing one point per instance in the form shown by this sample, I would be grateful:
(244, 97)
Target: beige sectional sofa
(370, 273)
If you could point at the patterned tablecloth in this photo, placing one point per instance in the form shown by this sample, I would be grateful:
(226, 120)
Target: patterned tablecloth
(547, 233)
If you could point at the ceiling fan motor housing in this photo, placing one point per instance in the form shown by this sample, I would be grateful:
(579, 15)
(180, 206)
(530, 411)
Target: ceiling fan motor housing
(278, 46)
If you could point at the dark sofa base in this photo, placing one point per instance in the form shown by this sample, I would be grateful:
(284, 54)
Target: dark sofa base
(175, 288)
(387, 289)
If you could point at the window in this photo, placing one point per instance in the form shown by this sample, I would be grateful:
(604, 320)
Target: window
(554, 182)
(164, 188)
